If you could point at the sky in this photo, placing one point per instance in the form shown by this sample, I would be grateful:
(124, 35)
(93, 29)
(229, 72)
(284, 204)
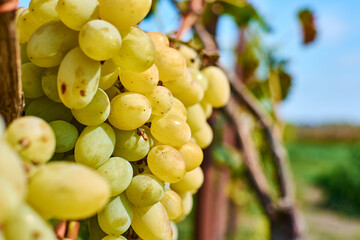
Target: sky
(326, 73)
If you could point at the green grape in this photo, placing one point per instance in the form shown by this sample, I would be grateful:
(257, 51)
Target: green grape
(117, 215)
(110, 237)
(170, 63)
(49, 83)
(78, 79)
(171, 130)
(207, 107)
(26, 224)
(143, 82)
(99, 40)
(27, 102)
(161, 100)
(166, 163)
(145, 190)
(175, 231)
(124, 13)
(96, 112)
(49, 44)
(112, 92)
(26, 25)
(193, 94)
(95, 231)
(152, 222)
(191, 182)
(195, 117)
(11, 168)
(187, 201)
(95, 145)
(109, 74)
(48, 110)
(44, 9)
(192, 155)
(191, 56)
(137, 53)
(32, 138)
(173, 204)
(118, 172)
(78, 125)
(76, 13)
(178, 109)
(204, 136)
(159, 39)
(218, 92)
(67, 190)
(66, 135)
(24, 58)
(129, 111)
(132, 145)
(9, 199)
(198, 77)
(31, 80)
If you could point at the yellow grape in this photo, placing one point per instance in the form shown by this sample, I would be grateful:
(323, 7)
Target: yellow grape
(193, 94)
(152, 222)
(159, 39)
(49, 83)
(187, 200)
(161, 100)
(26, 24)
(45, 10)
(117, 215)
(175, 231)
(204, 136)
(131, 145)
(137, 53)
(218, 92)
(12, 169)
(207, 107)
(191, 56)
(173, 204)
(129, 111)
(75, 13)
(178, 109)
(66, 135)
(95, 231)
(197, 76)
(140, 82)
(109, 74)
(124, 13)
(111, 237)
(95, 145)
(32, 138)
(48, 110)
(26, 224)
(166, 163)
(118, 172)
(112, 92)
(192, 154)
(170, 63)
(10, 199)
(78, 79)
(191, 182)
(99, 40)
(49, 44)
(96, 112)
(195, 117)
(31, 80)
(66, 190)
(145, 190)
(171, 130)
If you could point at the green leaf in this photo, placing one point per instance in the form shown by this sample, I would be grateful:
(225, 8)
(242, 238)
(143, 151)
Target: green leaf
(227, 155)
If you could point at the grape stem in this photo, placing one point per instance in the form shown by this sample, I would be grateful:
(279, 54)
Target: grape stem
(60, 230)
(141, 133)
(73, 230)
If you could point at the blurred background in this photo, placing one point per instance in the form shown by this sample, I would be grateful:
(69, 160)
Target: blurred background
(318, 111)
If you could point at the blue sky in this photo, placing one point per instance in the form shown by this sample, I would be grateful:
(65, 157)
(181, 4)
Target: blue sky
(326, 73)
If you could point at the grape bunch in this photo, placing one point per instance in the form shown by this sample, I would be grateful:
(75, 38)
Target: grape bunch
(114, 127)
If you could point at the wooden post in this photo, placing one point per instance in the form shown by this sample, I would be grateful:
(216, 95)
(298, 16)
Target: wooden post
(11, 101)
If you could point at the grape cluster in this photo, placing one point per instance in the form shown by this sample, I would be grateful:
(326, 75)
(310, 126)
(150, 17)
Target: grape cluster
(115, 123)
